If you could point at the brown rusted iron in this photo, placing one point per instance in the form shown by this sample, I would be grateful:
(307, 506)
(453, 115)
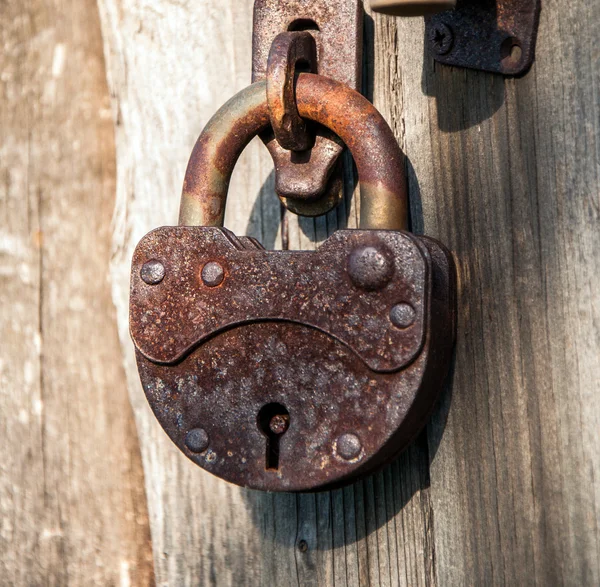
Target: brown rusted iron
(490, 35)
(287, 52)
(291, 375)
(283, 286)
(293, 370)
(309, 183)
(347, 113)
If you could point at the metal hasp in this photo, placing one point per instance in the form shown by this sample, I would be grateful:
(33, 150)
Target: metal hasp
(309, 182)
(490, 35)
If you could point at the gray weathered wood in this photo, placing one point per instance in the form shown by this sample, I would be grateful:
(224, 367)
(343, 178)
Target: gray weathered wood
(508, 175)
(72, 500)
(503, 488)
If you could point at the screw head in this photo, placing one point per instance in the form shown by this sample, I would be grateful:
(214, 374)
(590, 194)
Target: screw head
(213, 274)
(153, 272)
(279, 424)
(348, 446)
(441, 38)
(402, 315)
(370, 267)
(197, 440)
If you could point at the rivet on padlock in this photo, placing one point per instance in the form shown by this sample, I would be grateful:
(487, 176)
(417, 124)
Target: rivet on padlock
(293, 370)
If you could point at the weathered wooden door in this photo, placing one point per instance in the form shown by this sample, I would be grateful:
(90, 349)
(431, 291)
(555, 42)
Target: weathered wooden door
(504, 485)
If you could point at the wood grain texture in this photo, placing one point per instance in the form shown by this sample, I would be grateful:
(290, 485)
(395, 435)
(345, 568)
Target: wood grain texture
(503, 487)
(72, 501)
(507, 174)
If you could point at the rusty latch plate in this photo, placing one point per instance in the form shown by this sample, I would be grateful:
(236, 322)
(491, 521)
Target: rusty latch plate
(309, 288)
(490, 35)
(309, 183)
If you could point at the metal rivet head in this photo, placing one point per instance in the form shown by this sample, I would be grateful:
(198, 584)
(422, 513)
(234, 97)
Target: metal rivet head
(370, 267)
(153, 272)
(197, 440)
(402, 315)
(213, 274)
(348, 446)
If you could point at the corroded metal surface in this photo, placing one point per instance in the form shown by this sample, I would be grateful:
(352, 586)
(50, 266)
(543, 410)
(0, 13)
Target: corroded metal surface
(312, 288)
(282, 404)
(287, 52)
(347, 113)
(491, 35)
(307, 183)
(293, 371)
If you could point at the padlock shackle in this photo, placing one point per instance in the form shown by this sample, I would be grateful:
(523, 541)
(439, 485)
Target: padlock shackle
(379, 160)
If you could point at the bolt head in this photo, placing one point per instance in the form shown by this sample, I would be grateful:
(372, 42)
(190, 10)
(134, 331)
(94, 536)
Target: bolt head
(370, 267)
(348, 446)
(441, 38)
(153, 272)
(402, 315)
(197, 440)
(213, 274)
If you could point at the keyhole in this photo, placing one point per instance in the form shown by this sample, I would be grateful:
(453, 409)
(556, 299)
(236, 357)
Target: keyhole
(273, 421)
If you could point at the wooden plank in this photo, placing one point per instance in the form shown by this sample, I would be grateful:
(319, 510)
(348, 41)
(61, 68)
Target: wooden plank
(503, 487)
(72, 501)
(508, 175)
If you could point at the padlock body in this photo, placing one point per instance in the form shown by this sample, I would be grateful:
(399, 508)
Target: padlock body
(346, 347)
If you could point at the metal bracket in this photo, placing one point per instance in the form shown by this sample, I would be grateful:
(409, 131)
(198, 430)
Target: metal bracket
(490, 35)
(309, 182)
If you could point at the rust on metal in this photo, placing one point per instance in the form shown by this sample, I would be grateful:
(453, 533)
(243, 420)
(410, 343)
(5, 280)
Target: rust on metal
(302, 287)
(293, 370)
(289, 50)
(284, 378)
(490, 35)
(380, 162)
(309, 183)
(279, 423)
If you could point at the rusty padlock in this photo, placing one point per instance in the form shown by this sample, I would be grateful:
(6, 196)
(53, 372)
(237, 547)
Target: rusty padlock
(293, 370)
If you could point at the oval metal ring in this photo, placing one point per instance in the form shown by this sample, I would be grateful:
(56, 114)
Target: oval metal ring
(287, 52)
(380, 162)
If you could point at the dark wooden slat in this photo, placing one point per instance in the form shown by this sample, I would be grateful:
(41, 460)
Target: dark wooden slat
(508, 175)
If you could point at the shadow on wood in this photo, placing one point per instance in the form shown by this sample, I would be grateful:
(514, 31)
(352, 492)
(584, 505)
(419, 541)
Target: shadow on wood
(464, 97)
(383, 511)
